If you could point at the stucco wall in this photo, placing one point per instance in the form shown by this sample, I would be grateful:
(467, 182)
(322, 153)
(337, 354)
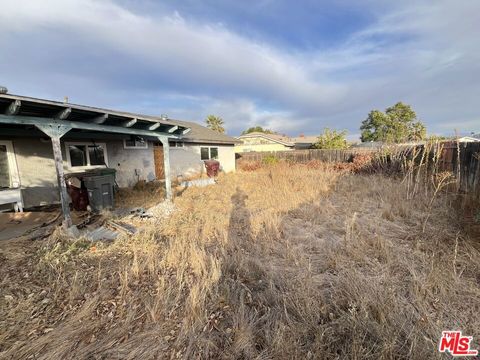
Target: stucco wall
(38, 179)
(37, 174)
(126, 161)
(186, 161)
(36, 170)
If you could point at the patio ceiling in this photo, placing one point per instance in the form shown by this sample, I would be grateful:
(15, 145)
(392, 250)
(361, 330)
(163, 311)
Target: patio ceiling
(21, 110)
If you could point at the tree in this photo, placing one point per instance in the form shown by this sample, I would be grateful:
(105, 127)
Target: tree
(215, 123)
(331, 139)
(257, 129)
(397, 124)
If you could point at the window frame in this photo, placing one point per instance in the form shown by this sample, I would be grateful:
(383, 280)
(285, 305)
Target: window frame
(176, 144)
(86, 144)
(209, 152)
(128, 147)
(12, 164)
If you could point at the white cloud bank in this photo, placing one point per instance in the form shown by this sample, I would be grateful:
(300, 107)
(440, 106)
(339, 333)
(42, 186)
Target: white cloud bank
(426, 54)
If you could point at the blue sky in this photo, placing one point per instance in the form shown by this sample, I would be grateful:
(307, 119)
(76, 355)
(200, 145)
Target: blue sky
(292, 66)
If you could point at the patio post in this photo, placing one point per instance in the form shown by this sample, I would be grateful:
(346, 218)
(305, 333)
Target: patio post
(166, 166)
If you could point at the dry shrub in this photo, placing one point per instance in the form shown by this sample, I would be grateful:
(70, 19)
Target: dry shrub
(246, 165)
(142, 194)
(289, 261)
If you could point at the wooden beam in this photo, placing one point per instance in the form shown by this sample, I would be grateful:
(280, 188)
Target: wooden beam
(172, 129)
(154, 126)
(63, 114)
(30, 120)
(62, 186)
(100, 119)
(13, 108)
(166, 166)
(130, 123)
(55, 132)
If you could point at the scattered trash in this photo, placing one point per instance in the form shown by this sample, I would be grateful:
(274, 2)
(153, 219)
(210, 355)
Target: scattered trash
(101, 233)
(198, 182)
(122, 227)
(161, 210)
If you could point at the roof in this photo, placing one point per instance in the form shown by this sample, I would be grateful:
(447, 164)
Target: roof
(305, 139)
(284, 140)
(472, 138)
(23, 107)
(202, 134)
(368, 145)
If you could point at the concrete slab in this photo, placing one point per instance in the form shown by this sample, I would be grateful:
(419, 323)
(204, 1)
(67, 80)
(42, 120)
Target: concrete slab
(13, 225)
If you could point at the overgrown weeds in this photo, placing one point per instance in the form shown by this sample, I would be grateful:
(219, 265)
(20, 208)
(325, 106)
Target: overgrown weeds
(288, 261)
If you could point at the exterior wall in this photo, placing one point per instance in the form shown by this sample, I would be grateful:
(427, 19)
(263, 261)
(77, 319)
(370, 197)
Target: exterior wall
(36, 170)
(259, 144)
(38, 180)
(129, 162)
(186, 161)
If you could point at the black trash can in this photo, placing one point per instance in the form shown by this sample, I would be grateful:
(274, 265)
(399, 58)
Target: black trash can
(100, 189)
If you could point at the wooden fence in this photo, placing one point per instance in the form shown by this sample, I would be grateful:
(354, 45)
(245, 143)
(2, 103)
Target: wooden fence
(463, 162)
(303, 156)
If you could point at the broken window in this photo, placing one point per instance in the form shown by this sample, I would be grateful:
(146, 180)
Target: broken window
(96, 154)
(80, 154)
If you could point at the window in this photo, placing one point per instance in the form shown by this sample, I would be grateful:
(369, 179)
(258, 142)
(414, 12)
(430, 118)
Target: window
(207, 153)
(86, 155)
(135, 143)
(178, 144)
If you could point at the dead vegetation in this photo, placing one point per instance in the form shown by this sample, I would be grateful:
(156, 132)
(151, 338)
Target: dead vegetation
(288, 261)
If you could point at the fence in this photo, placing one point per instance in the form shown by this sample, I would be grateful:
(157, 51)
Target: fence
(303, 156)
(464, 161)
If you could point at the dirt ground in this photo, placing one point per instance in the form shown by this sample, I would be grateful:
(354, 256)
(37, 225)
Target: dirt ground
(276, 263)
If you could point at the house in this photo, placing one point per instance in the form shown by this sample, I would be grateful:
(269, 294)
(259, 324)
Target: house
(471, 138)
(188, 154)
(304, 142)
(258, 141)
(41, 141)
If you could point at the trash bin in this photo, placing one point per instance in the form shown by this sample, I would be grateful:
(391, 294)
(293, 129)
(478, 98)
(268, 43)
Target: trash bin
(100, 188)
(212, 167)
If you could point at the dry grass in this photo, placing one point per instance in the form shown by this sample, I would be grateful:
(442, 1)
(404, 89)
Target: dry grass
(143, 194)
(282, 262)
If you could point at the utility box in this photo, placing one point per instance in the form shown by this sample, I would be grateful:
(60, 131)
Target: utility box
(100, 190)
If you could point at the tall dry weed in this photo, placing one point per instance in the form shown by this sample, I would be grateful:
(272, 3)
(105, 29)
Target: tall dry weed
(288, 261)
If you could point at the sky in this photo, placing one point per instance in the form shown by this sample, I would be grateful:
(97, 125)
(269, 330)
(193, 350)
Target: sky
(290, 66)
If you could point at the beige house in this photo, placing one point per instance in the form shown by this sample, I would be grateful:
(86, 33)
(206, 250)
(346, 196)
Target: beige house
(261, 142)
(41, 141)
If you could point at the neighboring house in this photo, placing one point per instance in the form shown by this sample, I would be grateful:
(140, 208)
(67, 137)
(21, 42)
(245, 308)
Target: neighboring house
(42, 140)
(258, 141)
(304, 142)
(471, 138)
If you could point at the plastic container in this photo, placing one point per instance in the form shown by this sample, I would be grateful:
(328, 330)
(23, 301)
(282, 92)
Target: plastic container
(212, 167)
(100, 189)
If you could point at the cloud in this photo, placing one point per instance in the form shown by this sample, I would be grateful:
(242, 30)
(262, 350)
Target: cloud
(106, 54)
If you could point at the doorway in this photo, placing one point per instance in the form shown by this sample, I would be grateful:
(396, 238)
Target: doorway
(159, 161)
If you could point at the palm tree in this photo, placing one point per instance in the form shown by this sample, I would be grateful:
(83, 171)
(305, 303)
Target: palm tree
(215, 123)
